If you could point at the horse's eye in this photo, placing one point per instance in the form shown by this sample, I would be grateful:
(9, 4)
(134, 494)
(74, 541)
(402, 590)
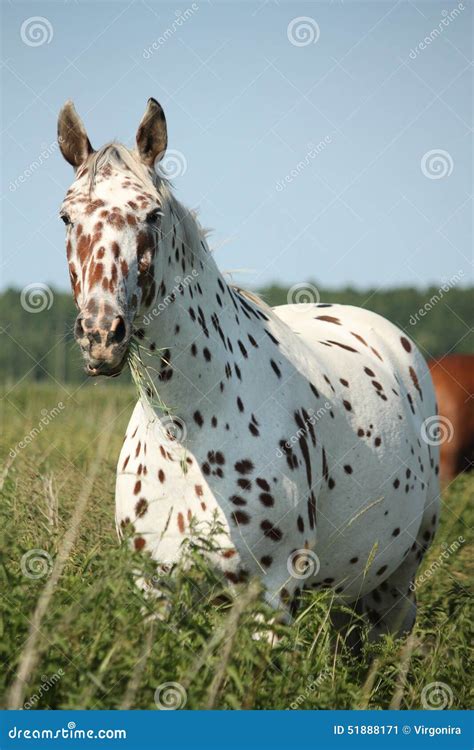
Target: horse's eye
(66, 219)
(153, 216)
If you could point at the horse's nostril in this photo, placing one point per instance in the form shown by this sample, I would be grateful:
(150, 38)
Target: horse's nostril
(118, 331)
(78, 328)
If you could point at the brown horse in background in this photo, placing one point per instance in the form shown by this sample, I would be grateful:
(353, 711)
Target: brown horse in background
(453, 378)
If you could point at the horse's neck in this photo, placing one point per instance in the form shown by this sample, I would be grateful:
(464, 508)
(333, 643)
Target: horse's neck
(192, 330)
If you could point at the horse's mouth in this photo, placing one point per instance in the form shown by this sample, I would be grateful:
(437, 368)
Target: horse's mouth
(105, 369)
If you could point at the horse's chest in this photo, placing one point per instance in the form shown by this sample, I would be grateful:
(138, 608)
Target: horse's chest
(245, 490)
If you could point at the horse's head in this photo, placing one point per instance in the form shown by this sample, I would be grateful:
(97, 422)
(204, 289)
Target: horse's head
(112, 214)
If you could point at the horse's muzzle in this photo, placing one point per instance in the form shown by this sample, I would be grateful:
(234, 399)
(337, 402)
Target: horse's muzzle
(104, 342)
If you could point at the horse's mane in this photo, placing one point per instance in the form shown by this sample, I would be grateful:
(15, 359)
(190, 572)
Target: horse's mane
(118, 155)
(252, 296)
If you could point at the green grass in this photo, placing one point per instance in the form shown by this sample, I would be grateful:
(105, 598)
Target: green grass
(98, 645)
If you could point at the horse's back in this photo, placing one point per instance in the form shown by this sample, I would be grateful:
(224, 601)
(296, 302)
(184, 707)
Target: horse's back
(355, 341)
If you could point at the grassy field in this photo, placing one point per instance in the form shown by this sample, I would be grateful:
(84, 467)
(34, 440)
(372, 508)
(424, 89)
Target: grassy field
(76, 632)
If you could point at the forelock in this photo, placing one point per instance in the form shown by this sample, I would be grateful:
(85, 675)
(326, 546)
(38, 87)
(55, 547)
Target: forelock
(119, 156)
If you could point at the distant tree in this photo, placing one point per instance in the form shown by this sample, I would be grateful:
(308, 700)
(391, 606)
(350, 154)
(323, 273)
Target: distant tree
(39, 346)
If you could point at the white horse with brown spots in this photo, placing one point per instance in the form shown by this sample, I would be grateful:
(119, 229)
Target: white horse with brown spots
(298, 429)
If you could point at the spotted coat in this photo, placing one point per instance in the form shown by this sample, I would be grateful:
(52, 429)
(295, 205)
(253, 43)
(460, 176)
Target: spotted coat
(298, 428)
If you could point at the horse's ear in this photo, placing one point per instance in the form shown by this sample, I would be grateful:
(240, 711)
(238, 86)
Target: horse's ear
(72, 137)
(152, 134)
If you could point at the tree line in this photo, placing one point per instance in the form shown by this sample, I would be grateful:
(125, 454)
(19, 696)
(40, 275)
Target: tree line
(37, 342)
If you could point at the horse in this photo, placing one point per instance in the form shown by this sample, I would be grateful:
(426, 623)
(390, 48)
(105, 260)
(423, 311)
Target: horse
(453, 378)
(296, 433)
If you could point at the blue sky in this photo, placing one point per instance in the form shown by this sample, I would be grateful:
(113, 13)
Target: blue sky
(320, 141)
